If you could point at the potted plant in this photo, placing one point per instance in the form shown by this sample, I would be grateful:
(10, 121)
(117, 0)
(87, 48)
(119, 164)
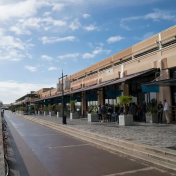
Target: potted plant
(21, 110)
(125, 119)
(151, 114)
(59, 108)
(73, 114)
(51, 112)
(92, 113)
(45, 109)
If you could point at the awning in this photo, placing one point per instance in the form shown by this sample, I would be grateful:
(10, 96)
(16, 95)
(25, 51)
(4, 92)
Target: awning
(166, 82)
(103, 84)
(130, 77)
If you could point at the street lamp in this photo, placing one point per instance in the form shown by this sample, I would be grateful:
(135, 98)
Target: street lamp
(62, 88)
(26, 100)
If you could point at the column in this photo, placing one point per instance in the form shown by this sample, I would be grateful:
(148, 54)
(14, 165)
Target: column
(83, 104)
(125, 89)
(100, 97)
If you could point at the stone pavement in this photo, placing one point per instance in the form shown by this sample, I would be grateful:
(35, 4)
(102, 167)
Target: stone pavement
(156, 135)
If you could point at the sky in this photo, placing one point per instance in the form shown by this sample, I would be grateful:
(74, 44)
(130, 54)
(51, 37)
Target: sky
(39, 38)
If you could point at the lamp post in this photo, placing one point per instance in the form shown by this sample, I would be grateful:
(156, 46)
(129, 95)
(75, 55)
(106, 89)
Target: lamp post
(63, 117)
(27, 100)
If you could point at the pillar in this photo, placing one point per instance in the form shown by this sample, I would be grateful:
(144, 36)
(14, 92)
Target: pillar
(100, 97)
(164, 91)
(125, 89)
(83, 104)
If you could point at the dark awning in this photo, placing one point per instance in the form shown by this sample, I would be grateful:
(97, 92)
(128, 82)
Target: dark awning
(27, 95)
(103, 84)
(166, 82)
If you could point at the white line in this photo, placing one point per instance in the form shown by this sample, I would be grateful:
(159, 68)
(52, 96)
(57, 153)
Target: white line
(131, 172)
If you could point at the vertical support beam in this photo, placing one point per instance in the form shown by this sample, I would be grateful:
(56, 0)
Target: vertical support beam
(125, 89)
(160, 46)
(100, 96)
(122, 71)
(83, 104)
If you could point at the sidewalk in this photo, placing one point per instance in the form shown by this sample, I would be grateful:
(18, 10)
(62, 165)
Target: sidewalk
(156, 135)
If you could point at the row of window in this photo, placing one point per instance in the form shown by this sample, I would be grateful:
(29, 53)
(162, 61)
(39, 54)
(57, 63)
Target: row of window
(129, 59)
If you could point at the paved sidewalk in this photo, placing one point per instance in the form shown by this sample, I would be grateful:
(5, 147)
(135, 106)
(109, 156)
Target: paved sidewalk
(157, 135)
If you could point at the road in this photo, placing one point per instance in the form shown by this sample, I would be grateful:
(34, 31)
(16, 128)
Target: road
(39, 151)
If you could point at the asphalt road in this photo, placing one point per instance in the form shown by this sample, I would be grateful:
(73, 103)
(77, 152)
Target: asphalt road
(36, 150)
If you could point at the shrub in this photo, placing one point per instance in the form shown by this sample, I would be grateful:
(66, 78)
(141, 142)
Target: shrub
(45, 108)
(125, 99)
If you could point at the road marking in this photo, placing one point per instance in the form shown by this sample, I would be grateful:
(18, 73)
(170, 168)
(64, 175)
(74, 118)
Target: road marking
(131, 172)
(66, 146)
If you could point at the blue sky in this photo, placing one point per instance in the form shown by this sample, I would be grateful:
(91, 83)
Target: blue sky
(39, 38)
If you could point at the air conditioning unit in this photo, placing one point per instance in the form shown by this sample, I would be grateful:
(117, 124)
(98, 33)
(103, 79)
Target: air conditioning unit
(59, 87)
(67, 84)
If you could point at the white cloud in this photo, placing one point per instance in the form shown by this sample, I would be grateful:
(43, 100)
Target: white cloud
(100, 50)
(114, 39)
(90, 28)
(74, 55)
(157, 15)
(23, 25)
(88, 56)
(90, 45)
(145, 36)
(58, 6)
(11, 90)
(86, 15)
(47, 14)
(32, 69)
(75, 24)
(45, 57)
(23, 9)
(50, 20)
(11, 48)
(57, 39)
(19, 31)
(123, 26)
(52, 68)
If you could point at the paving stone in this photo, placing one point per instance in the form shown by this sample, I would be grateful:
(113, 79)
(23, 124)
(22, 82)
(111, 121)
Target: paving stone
(158, 135)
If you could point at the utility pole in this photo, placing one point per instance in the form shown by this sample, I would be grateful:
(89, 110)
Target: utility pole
(63, 117)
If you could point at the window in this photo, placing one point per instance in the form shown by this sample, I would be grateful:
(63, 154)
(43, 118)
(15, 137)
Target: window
(146, 52)
(105, 68)
(123, 61)
(169, 43)
(92, 73)
(81, 77)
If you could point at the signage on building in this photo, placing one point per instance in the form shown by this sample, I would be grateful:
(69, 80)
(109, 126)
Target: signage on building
(113, 93)
(150, 88)
(92, 97)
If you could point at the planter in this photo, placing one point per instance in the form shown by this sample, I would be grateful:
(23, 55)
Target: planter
(126, 120)
(51, 113)
(151, 118)
(74, 116)
(59, 114)
(22, 112)
(92, 117)
(45, 113)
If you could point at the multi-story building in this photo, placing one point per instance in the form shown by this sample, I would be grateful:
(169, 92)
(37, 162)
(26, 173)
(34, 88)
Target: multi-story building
(151, 62)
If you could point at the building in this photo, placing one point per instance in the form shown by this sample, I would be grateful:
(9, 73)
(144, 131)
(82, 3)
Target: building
(150, 64)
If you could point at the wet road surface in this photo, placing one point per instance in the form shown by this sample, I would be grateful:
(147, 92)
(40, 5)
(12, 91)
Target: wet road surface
(39, 151)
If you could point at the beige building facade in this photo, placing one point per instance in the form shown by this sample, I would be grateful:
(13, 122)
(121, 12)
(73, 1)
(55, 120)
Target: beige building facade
(150, 61)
